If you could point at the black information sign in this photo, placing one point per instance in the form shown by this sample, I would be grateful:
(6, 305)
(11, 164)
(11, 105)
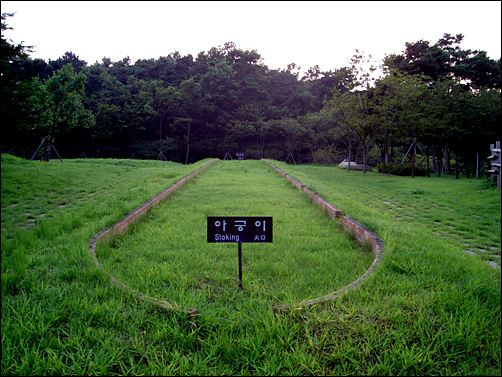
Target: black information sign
(239, 229)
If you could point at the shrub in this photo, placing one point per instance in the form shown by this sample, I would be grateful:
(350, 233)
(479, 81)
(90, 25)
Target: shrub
(396, 168)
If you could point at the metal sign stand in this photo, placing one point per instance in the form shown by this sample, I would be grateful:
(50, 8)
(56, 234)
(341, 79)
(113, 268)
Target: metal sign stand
(238, 230)
(239, 255)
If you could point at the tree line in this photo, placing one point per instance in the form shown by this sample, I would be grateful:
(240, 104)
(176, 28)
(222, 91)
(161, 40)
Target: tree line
(433, 97)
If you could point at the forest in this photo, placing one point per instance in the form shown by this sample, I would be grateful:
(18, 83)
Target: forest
(435, 101)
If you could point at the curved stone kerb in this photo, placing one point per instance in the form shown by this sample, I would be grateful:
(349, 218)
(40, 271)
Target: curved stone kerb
(122, 226)
(362, 234)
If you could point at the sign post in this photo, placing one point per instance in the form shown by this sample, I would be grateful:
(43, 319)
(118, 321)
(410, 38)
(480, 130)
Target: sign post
(239, 257)
(495, 162)
(238, 230)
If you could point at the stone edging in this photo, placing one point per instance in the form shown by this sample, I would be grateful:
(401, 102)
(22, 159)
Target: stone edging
(122, 226)
(363, 235)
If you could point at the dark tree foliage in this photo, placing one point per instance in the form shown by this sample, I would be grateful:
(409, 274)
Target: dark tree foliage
(68, 57)
(14, 92)
(185, 108)
(446, 59)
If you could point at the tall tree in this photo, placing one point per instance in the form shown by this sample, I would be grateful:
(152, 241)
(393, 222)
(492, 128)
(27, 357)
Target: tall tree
(356, 108)
(68, 57)
(401, 102)
(13, 91)
(163, 104)
(58, 103)
(473, 66)
(321, 84)
(108, 99)
(465, 120)
(446, 60)
(197, 111)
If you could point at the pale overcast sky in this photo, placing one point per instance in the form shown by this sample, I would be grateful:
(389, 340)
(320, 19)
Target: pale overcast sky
(324, 33)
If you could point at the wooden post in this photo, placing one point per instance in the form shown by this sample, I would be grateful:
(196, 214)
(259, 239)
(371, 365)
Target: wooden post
(477, 164)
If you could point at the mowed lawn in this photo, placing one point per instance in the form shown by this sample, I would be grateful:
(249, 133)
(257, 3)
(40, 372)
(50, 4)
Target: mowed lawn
(431, 307)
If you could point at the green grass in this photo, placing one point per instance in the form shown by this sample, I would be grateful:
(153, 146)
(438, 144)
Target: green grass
(167, 256)
(461, 211)
(428, 309)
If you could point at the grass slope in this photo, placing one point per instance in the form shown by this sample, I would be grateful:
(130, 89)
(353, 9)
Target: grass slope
(429, 308)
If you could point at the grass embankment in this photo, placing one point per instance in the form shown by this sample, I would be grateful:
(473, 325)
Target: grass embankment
(463, 212)
(429, 308)
(167, 256)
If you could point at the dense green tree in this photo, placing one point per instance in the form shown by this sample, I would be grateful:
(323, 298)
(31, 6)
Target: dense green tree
(446, 60)
(9, 51)
(30, 68)
(227, 100)
(283, 138)
(321, 84)
(107, 99)
(13, 91)
(171, 69)
(420, 58)
(464, 120)
(356, 109)
(162, 105)
(401, 102)
(68, 57)
(121, 69)
(472, 66)
(58, 104)
(282, 87)
(191, 131)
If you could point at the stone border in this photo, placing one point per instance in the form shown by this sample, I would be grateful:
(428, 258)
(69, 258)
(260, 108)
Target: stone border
(122, 226)
(363, 235)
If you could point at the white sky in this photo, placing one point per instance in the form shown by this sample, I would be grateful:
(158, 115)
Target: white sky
(325, 33)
